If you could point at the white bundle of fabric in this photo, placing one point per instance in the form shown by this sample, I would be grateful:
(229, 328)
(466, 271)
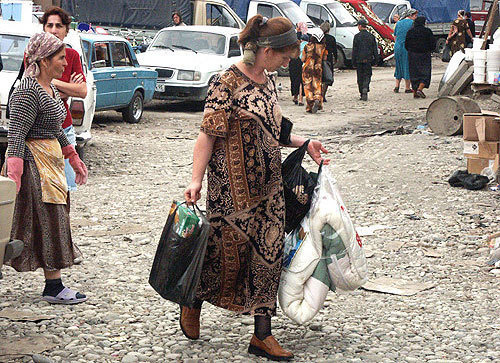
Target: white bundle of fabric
(324, 253)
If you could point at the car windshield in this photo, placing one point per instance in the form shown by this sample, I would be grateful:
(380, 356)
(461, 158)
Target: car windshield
(200, 42)
(293, 12)
(12, 50)
(383, 10)
(343, 17)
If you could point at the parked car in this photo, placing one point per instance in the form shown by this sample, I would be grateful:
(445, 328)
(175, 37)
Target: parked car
(121, 84)
(187, 57)
(8, 248)
(14, 37)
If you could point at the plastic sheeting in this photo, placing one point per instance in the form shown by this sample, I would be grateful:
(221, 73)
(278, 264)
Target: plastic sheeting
(148, 14)
(440, 11)
(240, 7)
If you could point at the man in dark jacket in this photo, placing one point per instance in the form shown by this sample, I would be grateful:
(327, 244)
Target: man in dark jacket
(472, 27)
(364, 55)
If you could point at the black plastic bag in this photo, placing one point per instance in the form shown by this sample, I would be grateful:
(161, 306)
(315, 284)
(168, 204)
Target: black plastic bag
(461, 178)
(177, 265)
(298, 187)
(327, 76)
(446, 56)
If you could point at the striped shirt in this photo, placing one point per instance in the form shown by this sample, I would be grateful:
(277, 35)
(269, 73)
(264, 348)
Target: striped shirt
(34, 114)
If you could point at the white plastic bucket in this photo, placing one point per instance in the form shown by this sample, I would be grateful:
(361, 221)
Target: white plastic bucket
(477, 43)
(479, 54)
(495, 46)
(479, 64)
(493, 55)
(479, 77)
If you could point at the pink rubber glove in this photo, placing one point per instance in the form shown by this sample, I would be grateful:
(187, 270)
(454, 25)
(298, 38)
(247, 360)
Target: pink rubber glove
(76, 163)
(15, 170)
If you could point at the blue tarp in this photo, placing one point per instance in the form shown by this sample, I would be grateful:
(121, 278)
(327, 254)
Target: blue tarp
(240, 7)
(440, 11)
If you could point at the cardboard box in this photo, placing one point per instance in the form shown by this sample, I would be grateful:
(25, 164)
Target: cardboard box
(476, 165)
(481, 150)
(483, 126)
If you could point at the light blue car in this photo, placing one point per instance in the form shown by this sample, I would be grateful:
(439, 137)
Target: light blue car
(121, 84)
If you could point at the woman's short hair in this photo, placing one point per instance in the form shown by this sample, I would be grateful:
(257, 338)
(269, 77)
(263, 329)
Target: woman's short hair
(256, 28)
(55, 10)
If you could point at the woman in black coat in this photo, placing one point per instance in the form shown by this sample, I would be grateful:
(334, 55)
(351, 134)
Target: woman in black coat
(295, 69)
(420, 44)
(331, 47)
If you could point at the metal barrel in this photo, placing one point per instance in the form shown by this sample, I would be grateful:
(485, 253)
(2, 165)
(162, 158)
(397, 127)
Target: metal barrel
(445, 115)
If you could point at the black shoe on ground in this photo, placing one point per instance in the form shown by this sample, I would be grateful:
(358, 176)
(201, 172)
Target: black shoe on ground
(364, 97)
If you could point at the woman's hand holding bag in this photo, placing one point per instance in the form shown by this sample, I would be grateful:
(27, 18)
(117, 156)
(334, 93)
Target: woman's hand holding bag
(314, 149)
(76, 163)
(15, 170)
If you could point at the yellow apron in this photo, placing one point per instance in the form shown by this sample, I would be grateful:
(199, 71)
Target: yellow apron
(49, 161)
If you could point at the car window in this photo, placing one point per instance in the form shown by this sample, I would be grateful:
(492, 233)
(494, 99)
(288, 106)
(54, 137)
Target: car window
(121, 56)
(12, 50)
(382, 10)
(318, 14)
(86, 49)
(268, 11)
(219, 16)
(177, 39)
(101, 57)
(234, 47)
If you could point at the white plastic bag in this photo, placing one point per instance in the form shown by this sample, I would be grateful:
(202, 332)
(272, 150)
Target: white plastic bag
(327, 254)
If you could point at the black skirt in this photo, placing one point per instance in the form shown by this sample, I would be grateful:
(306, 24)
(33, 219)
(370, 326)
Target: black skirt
(295, 69)
(420, 69)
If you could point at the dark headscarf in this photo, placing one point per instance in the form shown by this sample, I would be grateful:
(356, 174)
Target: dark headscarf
(420, 21)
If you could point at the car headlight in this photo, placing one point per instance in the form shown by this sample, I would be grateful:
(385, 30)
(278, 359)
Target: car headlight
(189, 76)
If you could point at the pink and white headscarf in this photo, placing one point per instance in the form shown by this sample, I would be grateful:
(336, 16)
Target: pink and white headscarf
(302, 27)
(40, 46)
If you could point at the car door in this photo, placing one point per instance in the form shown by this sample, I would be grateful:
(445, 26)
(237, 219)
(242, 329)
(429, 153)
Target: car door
(125, 72)
(104, 75)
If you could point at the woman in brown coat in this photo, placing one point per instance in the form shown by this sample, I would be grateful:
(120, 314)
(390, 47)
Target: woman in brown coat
(457, 36)
(313, 56)
(240, 140)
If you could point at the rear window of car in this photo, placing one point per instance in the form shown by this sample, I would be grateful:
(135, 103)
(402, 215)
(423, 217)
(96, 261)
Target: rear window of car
(12, 51)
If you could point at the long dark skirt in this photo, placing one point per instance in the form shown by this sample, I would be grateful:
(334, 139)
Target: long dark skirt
(43, 227)
(295, 70)
(420, 69)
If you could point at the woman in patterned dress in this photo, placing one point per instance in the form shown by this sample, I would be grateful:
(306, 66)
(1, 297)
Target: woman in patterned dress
(240, 139)
(312, 72)
(459, 28)
(37, 147)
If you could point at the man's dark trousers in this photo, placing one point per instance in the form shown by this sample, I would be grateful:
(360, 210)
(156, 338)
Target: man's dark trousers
(364, 72)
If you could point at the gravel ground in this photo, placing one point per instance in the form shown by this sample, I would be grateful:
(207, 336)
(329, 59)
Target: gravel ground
(394, 180)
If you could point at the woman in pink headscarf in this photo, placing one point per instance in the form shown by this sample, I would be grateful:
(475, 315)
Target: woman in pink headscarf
(37, 147)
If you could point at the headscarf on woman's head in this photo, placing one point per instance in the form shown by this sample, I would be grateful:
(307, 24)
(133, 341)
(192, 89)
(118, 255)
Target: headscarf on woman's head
(420, 21)
(40, 46)
(302, 27)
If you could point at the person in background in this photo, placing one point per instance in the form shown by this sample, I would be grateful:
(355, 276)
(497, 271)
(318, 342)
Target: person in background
(420, 43)
(400, 53)
(364, 56)
(472, 27)
(37, 147)
(177, 19)
(240, 141)
(295, 68)
(395, 18)
(458, 31)
(56, 21)
(312, 72)
(331, 48)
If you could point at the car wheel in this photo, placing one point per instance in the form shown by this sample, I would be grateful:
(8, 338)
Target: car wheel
(133, 112)
(340, 63)
(440, 44)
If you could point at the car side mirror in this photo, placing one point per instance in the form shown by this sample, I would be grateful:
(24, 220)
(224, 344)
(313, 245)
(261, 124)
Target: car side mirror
(234, 53)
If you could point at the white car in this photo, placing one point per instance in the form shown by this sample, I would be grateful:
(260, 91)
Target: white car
(14, 37)
(187, 57)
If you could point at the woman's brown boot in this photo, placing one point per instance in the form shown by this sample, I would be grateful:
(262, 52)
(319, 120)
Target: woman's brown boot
(190, 322)
(269, 348)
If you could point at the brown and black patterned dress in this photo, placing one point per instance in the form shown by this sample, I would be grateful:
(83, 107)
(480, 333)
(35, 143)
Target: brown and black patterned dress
(245, 202)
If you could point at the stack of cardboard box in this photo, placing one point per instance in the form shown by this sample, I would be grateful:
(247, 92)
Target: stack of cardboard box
(481, 141)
